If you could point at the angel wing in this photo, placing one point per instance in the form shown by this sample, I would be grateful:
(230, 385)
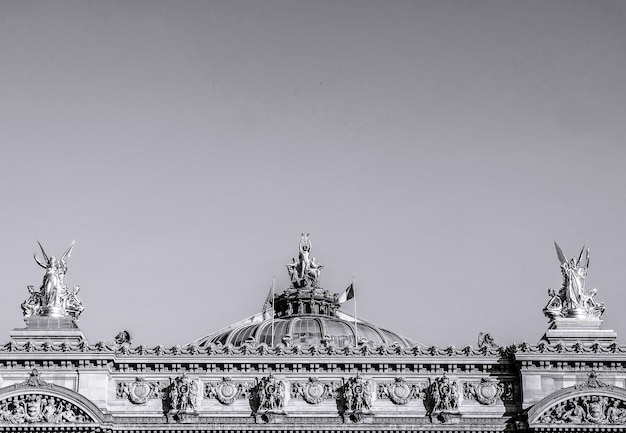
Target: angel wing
(45, 256)
(559, 253)
(66, 254)
(580, 257)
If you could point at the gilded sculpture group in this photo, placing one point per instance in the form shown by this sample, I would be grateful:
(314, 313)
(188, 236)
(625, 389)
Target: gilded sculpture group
(573, 300)
(54, 298)
(304, 272)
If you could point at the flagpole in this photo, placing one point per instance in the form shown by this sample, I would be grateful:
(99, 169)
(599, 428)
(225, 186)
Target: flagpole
(273, 309)
(356, 327)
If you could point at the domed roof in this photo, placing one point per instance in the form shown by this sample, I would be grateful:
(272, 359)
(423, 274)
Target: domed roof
(305, 315)
(306, 330)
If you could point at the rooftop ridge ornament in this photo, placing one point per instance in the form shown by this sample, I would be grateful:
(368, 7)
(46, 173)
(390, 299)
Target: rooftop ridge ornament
(54, 298)
(573, 300)
(304, 272)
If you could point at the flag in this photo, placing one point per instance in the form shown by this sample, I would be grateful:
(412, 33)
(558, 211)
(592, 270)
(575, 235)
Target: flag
(347, 295)
(269, 301)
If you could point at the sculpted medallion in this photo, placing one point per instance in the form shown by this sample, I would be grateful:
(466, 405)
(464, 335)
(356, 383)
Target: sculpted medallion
(486, 392)
(313, 391)
(400, 391)
(227, 391)
(139, 391)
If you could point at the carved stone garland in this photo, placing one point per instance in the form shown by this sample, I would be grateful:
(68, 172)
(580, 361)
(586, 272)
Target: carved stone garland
(400, 391)
(313, 391)
(227, 391)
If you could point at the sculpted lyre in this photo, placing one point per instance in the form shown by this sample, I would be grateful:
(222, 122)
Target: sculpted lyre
(54, 298)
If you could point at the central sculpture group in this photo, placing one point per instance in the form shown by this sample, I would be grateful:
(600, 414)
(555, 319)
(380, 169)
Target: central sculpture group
(305, 272)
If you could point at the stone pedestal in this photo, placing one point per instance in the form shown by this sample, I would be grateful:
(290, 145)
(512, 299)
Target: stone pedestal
(574, 329)
(46, 328)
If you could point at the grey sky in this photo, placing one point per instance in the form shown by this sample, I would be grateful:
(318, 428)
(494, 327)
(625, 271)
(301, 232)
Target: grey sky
(433, 149)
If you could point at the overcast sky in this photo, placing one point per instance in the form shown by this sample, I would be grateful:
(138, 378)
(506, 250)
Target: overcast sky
(432, 149)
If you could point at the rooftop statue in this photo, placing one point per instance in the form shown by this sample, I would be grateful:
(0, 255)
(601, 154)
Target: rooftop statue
(54, 298)
(306, 271)
(573, 300)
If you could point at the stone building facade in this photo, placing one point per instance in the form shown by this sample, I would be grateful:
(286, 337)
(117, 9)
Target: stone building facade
(303, 364)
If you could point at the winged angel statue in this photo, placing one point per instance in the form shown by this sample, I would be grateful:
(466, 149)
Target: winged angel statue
(54, 298)
(573, 300)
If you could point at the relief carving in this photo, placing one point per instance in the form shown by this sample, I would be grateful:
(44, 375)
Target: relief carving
(400, 391)
(486, 392)
(183, 398)
(270, 399)
(34, 408)
(592, 409)
(227, 391)
(313, 391)
(357, 398)
(139, 391)
(442, 398)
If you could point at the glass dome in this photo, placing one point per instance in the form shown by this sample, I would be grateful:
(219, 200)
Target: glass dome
(306, 318)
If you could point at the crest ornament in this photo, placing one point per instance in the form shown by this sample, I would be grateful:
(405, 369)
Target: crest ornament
(592, 382)
(227, 391)
(33, 381)
(400, 391)
(313, 391)
(486, 392)
(139, 391)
